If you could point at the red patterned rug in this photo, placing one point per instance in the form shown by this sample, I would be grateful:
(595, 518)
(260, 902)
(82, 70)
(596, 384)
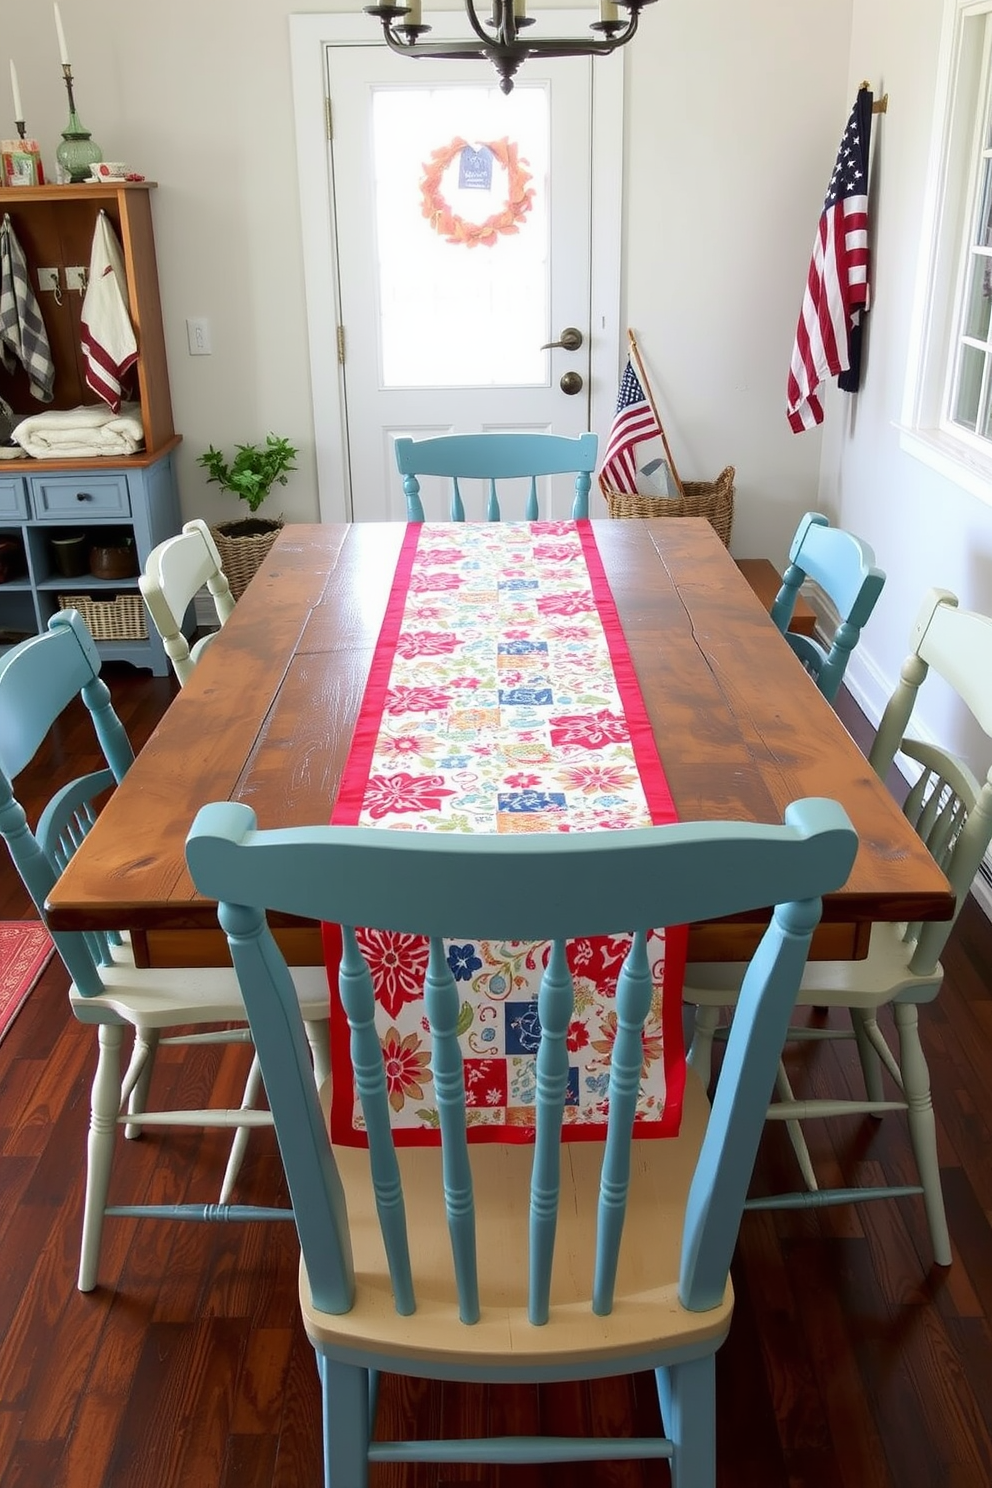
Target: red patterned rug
(25, 950)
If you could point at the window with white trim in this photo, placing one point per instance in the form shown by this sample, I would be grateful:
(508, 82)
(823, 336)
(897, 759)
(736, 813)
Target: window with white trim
(969, 384)
(947, 415)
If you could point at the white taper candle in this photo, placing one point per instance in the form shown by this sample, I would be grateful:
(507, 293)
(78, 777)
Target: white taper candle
(63, 49)
(18, 110)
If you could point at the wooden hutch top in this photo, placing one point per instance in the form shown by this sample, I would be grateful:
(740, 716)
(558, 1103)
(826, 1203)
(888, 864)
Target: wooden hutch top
(55, 225)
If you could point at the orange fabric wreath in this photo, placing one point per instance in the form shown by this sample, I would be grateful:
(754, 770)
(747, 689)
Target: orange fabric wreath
(454, 229)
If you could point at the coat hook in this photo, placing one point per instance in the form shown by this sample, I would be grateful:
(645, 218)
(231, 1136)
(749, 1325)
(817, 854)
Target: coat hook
(881, 105)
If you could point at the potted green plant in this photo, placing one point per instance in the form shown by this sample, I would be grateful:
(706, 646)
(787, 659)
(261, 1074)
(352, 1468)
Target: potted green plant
(244, 541)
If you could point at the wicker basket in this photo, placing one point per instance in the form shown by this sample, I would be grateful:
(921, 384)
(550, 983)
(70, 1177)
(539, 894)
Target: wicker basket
(240, 555)
(119, 619)
(713, 500)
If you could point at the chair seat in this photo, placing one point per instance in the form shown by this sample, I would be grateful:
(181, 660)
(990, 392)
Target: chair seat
(167, 997)
(198, 647)
(882, 976)
(647, 1312)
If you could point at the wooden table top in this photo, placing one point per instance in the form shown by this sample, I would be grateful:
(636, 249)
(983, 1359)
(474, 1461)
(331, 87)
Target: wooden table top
(267, 719)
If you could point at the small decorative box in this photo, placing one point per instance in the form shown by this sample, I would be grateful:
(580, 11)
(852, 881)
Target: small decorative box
(20, 162)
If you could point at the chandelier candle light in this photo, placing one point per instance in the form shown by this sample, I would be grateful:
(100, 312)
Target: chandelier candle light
(78, 150)
(505, 48)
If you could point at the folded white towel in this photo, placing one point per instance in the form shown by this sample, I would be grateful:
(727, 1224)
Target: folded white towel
(81, 433)
(106, 333)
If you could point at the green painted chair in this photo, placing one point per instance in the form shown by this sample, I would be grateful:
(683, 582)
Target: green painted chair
(844, 568)
(952, 812)
(39, 679)
(496, 457)
(518, 1265)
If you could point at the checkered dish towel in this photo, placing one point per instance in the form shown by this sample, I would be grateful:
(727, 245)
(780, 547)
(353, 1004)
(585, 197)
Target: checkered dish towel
(23, 337)
(107, 334)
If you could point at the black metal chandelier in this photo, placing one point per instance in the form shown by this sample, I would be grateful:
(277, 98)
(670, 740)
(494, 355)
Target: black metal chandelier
(501, 44)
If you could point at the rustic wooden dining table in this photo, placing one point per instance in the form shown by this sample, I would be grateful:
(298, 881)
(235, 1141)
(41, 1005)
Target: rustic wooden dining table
(267, 719)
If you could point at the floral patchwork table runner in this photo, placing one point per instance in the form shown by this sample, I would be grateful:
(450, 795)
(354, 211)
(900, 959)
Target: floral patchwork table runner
(502, 698)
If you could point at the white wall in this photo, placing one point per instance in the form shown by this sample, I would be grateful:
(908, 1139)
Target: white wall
(734, 116)
(925, 530)
(734, 113)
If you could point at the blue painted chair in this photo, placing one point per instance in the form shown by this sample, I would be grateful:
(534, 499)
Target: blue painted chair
(39, 679)
(844, 568)
(612, 1261)
(492, 458)
(175, 572)
(952, 812)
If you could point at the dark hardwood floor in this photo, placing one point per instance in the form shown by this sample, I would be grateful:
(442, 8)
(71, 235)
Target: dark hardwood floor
(852, 1361)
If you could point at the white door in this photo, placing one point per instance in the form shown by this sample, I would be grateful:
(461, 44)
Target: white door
(462, 230)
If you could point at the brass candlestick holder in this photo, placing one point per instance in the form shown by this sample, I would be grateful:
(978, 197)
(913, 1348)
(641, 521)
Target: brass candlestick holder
(78, 151)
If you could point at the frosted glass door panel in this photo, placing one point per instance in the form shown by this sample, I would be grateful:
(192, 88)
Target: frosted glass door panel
(460, 314)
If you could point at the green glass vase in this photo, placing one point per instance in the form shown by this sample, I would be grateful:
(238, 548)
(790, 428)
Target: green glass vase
(78, 151)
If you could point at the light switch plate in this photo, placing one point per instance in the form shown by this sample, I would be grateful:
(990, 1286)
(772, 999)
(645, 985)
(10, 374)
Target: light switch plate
(198, 336)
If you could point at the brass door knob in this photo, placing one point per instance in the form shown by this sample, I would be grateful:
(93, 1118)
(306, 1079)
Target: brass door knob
(571, 340)
(571, 383)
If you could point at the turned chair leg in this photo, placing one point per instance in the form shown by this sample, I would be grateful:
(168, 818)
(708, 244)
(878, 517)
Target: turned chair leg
(922, 1126)
(687, 1397)
(317, 1037)
(700, 1056)
(240, 1144)
(870, 1069)
(345, 1398)
(105, 1104)
(139, 1075)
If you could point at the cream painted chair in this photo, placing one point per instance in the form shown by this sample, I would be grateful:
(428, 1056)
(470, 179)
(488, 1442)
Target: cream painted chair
(952, 812)
(175, 572)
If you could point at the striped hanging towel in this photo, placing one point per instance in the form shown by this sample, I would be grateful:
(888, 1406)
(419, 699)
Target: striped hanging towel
(107, 336)
(23, 337)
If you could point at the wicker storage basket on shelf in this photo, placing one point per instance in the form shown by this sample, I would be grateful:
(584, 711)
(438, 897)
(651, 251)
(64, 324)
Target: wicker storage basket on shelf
(713, 500)
(241, 556)
(119, 619)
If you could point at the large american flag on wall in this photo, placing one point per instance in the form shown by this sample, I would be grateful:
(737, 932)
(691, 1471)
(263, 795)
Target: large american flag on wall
(633, 423)
(828, 336)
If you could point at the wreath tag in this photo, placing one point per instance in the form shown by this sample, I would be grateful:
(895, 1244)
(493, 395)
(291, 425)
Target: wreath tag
(475, 169)
(451, 227)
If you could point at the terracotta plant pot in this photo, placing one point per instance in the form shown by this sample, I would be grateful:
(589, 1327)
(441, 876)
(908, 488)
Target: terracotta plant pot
(12, 564)
(113, 561)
